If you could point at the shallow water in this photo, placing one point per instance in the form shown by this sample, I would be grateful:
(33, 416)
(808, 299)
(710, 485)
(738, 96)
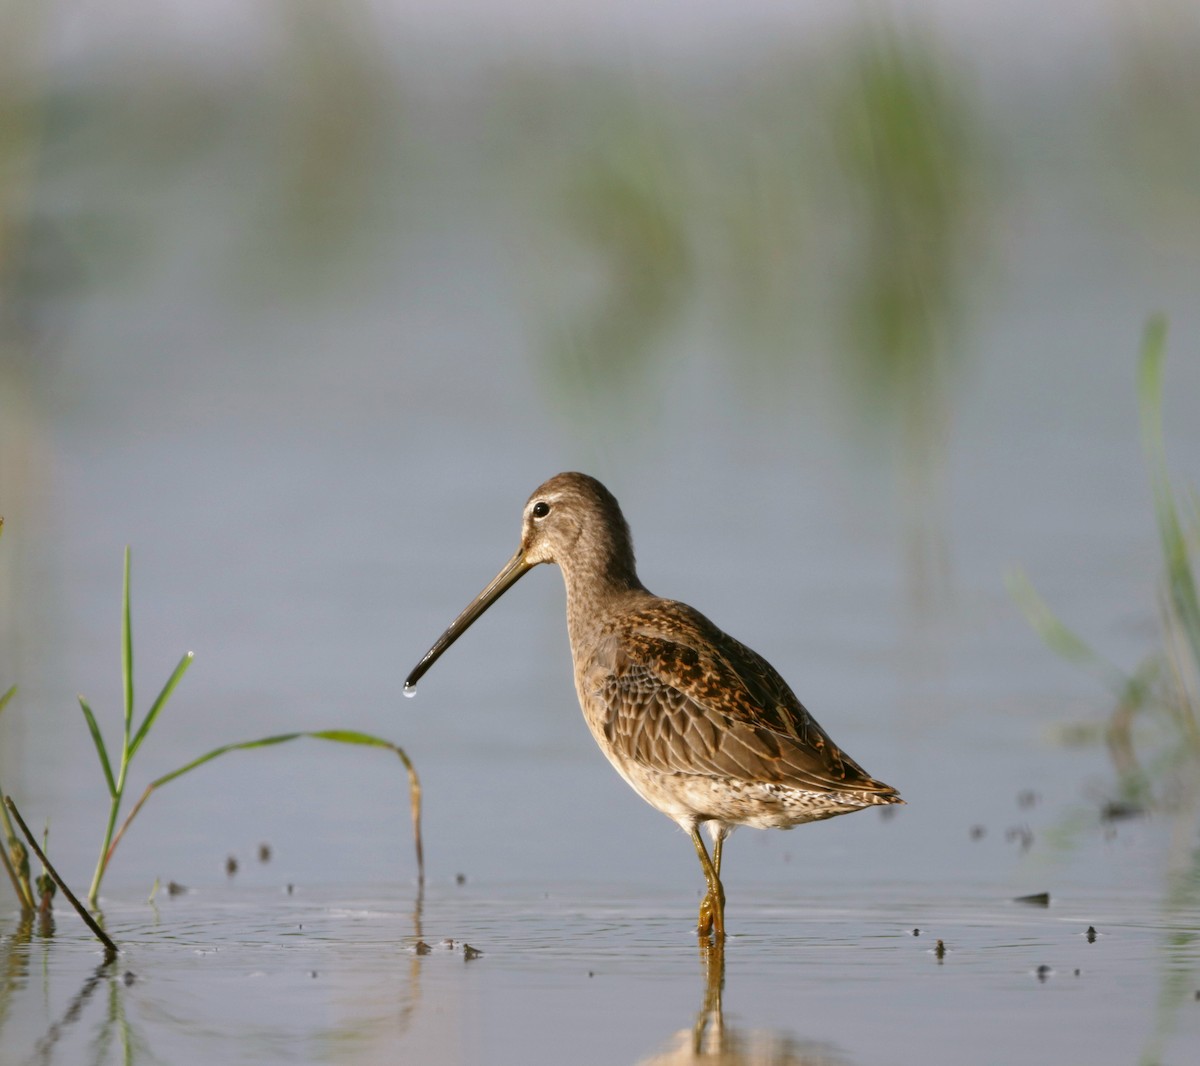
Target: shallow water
(574, 974)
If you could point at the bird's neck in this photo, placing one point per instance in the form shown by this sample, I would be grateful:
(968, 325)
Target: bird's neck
(595, 592)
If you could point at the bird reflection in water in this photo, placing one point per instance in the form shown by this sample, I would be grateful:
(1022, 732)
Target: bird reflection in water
(714, 1043)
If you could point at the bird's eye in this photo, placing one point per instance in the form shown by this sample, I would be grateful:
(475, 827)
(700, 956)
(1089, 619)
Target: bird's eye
(541, 509)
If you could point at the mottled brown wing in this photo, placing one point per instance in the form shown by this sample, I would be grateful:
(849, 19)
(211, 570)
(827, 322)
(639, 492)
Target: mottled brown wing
(684, 697)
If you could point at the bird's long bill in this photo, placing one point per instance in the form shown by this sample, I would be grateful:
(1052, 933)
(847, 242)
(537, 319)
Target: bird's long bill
(513, 571)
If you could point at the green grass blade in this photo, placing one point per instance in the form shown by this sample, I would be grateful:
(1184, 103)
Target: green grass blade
(350, 736)
(245, 745)
(1180, 580)
(340, 736)
(98, 740)
(1053, 632)
(127, 646)
(20, 884)
(1149, 382)
(160, 702)
(7, 696)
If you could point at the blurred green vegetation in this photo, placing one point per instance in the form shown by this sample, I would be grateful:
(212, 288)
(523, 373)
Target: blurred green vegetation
(624, 202)
(904, 123)
(828, 207)
(831, 196)
(333, 117)
(1153, 731)
(1152, 126)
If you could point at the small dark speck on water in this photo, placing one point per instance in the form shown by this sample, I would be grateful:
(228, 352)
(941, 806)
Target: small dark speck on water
(129, 977)
(421, 948)
(312, 973)
(448, 943)
(1076, 971)
(1091, 934)
(1116, 810)
(290, 889)
(916, 932)
(1036, 899)
(174, 888)
(887, 813)
(978, 832)
(592, 973)
(470, 953)
(231, 865)
(1027, 798)
(939, 949)
(460, 879)
(1043, 972)
(1022, 834)
(264, 852)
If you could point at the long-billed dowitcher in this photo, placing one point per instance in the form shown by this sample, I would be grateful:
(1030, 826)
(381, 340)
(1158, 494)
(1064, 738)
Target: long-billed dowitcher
(699, 725)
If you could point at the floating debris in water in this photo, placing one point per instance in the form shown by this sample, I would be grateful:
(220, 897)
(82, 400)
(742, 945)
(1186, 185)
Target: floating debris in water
(290, 888)
(312, 973)
(1022, 834)
(470, 953)
(264, 852)
(1044, 972)
(129, 977)
(421, 948)
(1076, 971)
(916, 932)
(1091, 934)
(978, 832)
(460, 879)
(1036, 899)
(1027, 798)
(174, 888)
(1117, 810)
(231, 865)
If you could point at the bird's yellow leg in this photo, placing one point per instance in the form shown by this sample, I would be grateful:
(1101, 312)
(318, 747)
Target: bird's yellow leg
(712, 907)
(706, 905)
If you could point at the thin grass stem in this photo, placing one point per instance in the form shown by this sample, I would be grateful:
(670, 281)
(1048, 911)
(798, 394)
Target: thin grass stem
(19, 878)
(130, 740)
(91, 922)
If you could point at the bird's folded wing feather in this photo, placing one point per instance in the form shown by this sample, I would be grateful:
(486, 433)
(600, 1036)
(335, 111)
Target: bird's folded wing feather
(684, 697)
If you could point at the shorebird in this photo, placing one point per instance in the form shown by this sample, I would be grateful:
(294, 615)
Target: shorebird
(700, 726)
